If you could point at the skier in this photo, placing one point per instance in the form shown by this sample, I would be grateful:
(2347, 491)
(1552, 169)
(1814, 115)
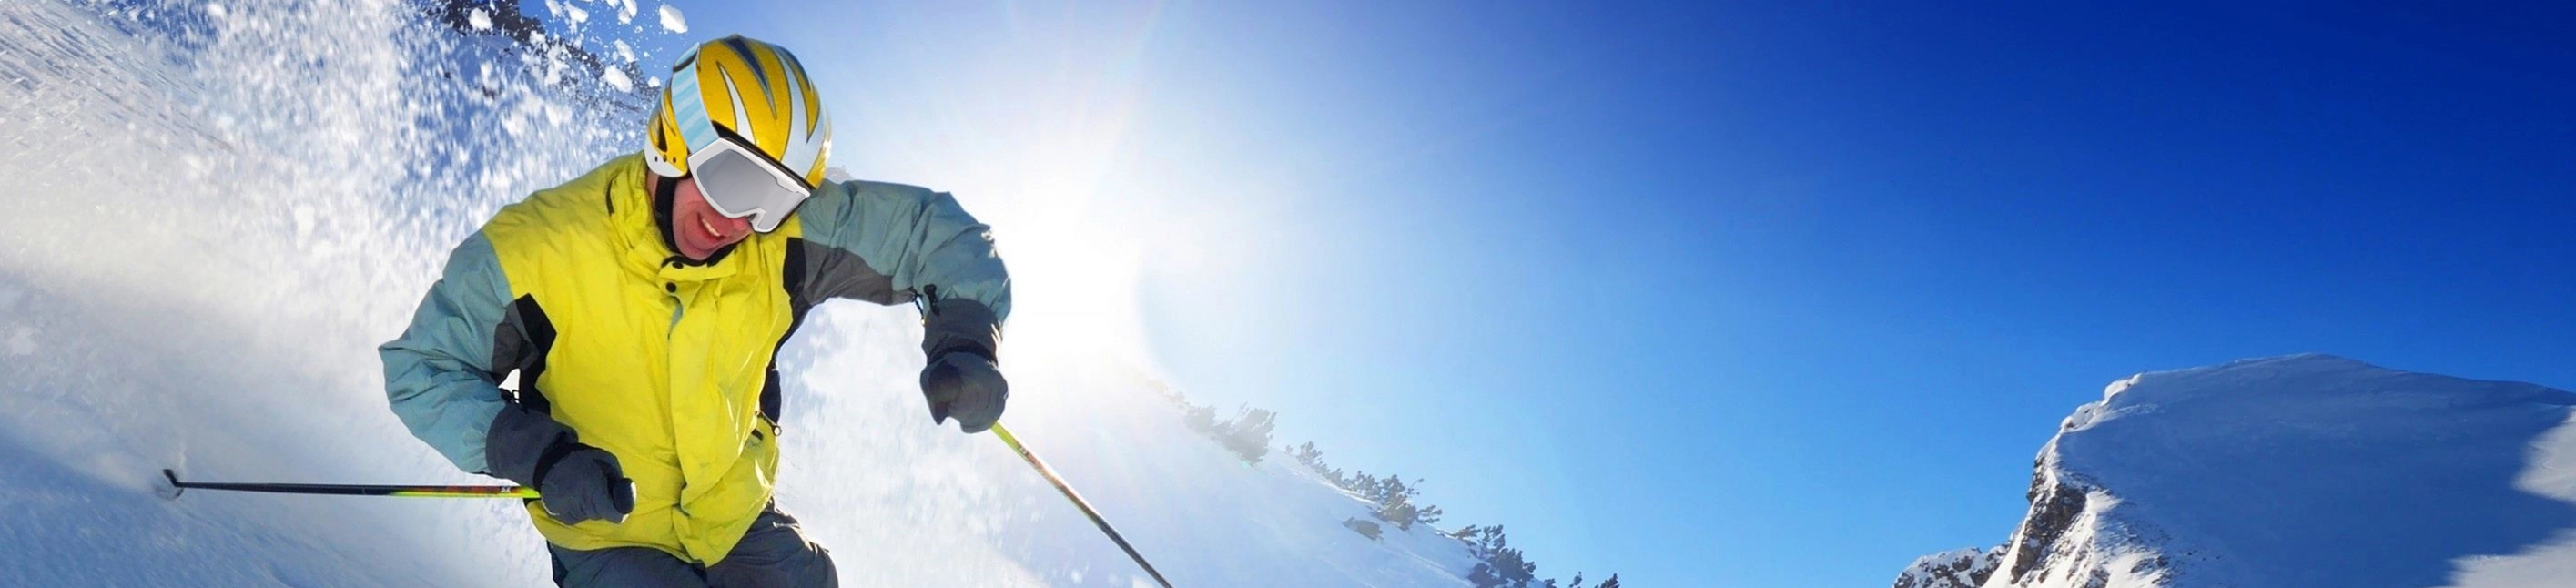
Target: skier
(642, 306)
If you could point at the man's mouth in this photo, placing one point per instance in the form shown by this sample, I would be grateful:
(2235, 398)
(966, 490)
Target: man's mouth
(713, 235)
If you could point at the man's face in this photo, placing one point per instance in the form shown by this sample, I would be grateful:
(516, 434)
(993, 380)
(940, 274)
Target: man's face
(697, 227)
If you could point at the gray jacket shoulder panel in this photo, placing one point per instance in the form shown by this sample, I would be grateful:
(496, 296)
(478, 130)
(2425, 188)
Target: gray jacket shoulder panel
(888, 243)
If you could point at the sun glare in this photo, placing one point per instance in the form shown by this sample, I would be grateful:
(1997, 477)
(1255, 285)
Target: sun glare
(1047, 137)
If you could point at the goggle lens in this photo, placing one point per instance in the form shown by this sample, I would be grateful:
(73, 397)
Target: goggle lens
(737, 185)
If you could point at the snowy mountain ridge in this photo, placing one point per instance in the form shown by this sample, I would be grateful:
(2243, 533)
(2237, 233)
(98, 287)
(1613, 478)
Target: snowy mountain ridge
(2298, 471)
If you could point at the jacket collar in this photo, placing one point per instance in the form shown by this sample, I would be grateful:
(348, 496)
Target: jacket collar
(637, 232)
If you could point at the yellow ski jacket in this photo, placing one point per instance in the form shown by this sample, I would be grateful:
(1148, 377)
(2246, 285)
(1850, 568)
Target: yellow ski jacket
(667, 364)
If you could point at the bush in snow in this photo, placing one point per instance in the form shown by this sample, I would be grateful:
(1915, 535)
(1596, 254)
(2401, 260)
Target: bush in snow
(1577, 582)
(1502, 566)
(1247, 434)
(1364, 528)
(1199, 418)
(1499, 564)
(1391, 498)
(1306, 455)
(1394, 500)
(1390, 495)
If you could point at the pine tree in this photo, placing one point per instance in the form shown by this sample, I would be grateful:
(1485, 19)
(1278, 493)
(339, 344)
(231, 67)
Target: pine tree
(1307, 455)
(1200, 418)
(1248, 434)
(1503, 566)
(1394, 501)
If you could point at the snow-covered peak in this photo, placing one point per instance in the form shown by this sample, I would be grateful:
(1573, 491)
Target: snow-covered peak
(2296, 471)
(1957, 568)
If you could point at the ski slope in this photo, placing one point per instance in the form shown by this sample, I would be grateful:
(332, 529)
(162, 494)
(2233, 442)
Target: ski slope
(2306, 471)
(216, 211)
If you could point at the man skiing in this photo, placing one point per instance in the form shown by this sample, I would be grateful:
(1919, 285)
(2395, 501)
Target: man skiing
(641, 306)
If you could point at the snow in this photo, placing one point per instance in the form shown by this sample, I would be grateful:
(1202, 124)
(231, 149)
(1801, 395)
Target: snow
(480, 20)
(2553, 474)
(671, 20)
(218, 315)
(1957, 568)
(19, 340)
(616, 78)
(2303, 471)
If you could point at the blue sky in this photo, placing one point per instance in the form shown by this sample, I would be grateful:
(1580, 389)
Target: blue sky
(1743, 295)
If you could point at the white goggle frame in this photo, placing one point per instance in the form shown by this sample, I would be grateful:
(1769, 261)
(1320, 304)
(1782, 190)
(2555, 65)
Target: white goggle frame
(739, 181)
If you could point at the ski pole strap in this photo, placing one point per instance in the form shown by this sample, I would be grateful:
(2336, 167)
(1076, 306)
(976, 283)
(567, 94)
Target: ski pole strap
(359, 489)
(1078, 502)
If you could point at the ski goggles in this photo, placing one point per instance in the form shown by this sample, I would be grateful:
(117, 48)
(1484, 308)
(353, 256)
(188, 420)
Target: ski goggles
(739, 181)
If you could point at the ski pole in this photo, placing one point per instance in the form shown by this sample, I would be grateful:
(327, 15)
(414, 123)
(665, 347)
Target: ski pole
(357, 489)
(1078, 502)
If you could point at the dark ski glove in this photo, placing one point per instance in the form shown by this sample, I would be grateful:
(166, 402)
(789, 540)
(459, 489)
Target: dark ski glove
(967, 387)
(586, 485)
(577, 482)
(962, 381)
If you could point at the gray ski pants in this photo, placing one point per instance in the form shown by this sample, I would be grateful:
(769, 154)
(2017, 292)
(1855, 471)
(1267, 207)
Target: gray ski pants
(773, 554)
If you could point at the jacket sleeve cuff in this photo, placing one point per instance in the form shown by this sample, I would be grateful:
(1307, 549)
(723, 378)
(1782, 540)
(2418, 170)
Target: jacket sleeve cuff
(961, 325)
(522, 442)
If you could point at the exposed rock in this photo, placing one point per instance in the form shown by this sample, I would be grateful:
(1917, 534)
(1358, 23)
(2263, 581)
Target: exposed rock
(1367, 529)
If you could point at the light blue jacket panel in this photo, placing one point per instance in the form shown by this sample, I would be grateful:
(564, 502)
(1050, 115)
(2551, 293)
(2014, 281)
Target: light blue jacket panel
(892, 243)
(438, 374)
(907, 237)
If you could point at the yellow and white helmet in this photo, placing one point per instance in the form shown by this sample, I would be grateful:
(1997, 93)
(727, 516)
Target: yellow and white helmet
(739, 96)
